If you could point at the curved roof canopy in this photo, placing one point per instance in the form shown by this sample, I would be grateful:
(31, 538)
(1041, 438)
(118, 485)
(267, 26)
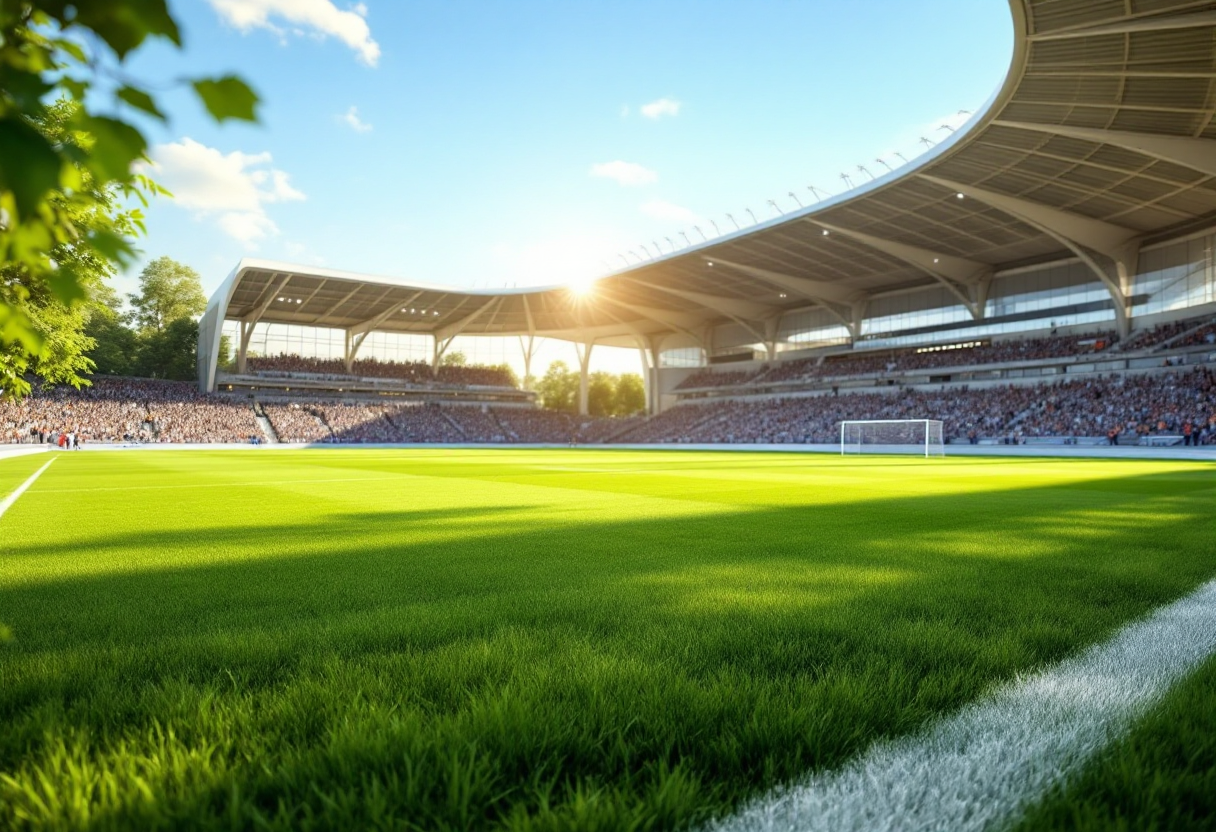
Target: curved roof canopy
(1101, 138)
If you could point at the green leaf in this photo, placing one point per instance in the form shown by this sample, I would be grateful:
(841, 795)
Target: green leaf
(227, 97)
(111, 246)
(17, 328)
(25, 89)
(140, 100)
(29, 166)
(116, 147)
(123, 26)
(67, 286)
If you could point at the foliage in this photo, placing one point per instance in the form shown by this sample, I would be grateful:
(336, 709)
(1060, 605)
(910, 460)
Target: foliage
(630, 395)
(169, 353)
(59, 193)
(558, 388)
(455, 358)
(168, 291)
(607, 394)
(601, 394)
(509, 372)
(115, 344)
(544, 640)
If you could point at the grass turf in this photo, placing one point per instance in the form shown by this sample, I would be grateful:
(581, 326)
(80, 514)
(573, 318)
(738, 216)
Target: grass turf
(1161, 778)
(534, 640)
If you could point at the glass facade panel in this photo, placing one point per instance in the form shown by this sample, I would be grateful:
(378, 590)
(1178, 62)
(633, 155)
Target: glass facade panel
(1176, 276)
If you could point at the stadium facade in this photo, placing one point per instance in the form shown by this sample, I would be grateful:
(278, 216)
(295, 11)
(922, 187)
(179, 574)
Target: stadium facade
(1082, 196)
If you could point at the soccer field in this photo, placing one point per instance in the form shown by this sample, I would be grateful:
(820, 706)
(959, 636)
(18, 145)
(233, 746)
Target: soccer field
(431, 639)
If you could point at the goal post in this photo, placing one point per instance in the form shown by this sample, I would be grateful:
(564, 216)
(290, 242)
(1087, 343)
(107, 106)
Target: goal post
(893, 436)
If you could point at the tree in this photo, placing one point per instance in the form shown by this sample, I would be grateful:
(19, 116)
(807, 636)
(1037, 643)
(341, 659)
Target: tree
(456, 358)
(61, 195)
(601, 394)
(168, 290)
(60, 328)
(115, 344)
(558, 388)
(170, 353)
(510, 373)
(630, 395)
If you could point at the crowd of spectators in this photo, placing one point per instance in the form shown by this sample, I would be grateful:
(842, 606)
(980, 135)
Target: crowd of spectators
(423, 423)
(887, 362)
(127, 410)
(477, 423)
(107, 411)
(189, 416)
(358, 422)
(597, 431)
(1203, 335)
(417, 373)
(1132, 407)
(1160, 334)
(532, 425)
(721, 378)
(294, 422)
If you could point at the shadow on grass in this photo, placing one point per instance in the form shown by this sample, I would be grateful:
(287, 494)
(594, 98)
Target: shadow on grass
(657, 669)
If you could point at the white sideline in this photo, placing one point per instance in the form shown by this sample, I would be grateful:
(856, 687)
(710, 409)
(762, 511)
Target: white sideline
(8, 501)
(981, 768)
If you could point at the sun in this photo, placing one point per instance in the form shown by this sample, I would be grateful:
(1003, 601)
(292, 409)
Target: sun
(582, 287)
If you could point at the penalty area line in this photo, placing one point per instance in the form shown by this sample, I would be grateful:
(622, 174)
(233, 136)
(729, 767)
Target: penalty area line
(8, 501)
(984, 766)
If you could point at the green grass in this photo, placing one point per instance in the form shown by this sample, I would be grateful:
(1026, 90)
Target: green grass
(534, 640)
(1162, 778)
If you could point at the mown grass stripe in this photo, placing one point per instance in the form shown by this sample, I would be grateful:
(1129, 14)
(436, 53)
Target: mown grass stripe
(982, 768)
(8, 501)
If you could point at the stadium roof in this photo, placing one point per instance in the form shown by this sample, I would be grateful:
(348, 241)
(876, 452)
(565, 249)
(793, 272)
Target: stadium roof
(1102, 138)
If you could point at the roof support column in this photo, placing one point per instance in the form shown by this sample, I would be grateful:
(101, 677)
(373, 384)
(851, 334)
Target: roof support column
(858, 316)
(649, 346)
(242, 352)
(771, 327)
(438, 347)
(527, 345)
(584, 365)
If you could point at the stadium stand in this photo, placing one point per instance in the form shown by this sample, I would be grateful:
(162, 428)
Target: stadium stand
(296, 423)
(1135, 406)
(1153, 403)
(412, 372)
(929, 358)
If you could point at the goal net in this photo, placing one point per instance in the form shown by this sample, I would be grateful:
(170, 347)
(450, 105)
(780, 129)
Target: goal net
(894, 436)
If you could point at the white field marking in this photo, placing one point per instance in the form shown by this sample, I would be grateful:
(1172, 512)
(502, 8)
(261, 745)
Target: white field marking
(981, 768)
(8, 501)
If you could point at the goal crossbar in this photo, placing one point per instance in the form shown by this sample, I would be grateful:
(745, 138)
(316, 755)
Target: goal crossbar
(892, 436)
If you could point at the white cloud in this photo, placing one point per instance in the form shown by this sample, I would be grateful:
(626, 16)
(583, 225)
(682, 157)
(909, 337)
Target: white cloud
(624, 173)
(661, 209)
(320, 18)
(233, 189)
(661, 107)
(352, 120)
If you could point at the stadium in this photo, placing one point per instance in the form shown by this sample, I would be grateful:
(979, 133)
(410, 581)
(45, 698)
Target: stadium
(914, 530)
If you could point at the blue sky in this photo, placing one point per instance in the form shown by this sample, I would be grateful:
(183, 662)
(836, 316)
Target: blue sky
(459, 142)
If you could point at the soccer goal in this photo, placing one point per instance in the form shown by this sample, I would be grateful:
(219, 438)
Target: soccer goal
(893, 436)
